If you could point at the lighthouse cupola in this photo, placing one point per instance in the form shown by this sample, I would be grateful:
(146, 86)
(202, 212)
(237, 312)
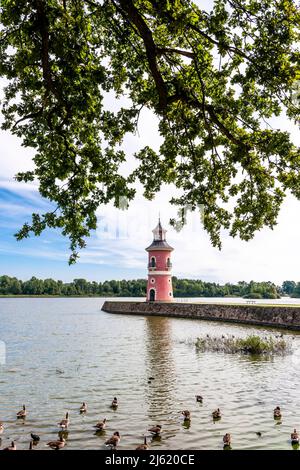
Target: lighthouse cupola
(159, 287)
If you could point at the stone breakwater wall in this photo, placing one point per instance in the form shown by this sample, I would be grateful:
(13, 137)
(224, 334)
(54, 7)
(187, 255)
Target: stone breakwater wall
(274, 316)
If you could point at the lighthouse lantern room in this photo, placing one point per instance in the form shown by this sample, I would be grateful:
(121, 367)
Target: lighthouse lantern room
(159, 287)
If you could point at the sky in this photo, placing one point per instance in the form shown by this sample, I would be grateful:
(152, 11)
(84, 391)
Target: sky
(116, 250)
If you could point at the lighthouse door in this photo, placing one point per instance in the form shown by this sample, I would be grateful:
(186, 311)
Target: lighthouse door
(152, 295)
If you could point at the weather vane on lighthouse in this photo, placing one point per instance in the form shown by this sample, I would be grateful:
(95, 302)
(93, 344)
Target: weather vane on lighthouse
(159, 287)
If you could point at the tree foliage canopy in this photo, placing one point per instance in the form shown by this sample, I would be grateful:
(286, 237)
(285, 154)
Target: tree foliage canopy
(213, 77)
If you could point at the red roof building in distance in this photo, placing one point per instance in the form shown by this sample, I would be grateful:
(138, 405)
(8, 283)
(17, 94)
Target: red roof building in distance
(159, 287)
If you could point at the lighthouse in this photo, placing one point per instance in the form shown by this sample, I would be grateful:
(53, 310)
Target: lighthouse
(159, 287)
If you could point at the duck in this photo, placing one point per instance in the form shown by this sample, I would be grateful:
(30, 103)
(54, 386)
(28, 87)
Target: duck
(35, 437)
(114, 403)
(83, 408)
(11, 447)
(64, 423)
(199, 398)
(187, 415)
(1, 427)
(155, 430)
(100, 426)
(216, 414)
(114, 440)
(56, 445)
(277, 412)
(227, 439)
(144, 446)
(22, 413)
(295, 437)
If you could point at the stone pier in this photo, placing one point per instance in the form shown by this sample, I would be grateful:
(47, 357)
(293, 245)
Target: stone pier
(263, 315)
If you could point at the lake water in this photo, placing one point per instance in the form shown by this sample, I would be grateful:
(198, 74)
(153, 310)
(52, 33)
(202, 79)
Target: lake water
(61, 352)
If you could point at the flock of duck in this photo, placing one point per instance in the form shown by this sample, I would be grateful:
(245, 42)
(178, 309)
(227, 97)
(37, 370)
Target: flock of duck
(114, 440)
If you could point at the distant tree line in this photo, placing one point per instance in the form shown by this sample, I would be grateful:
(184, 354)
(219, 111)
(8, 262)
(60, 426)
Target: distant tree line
(34, 286)
(137, 288)
(197, 288)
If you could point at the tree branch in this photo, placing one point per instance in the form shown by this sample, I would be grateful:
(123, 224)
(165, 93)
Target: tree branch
(157, 6)
(43, 26)
(28, 116)
(132, 13)
(163, 50)
(44, 30)
(182, 95)
(216, 43)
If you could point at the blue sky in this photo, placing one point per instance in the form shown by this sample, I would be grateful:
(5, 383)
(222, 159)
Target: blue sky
(47, 255)
(117, 249)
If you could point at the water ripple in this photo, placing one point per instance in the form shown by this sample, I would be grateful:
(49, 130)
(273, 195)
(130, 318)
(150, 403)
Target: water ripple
(53, 365)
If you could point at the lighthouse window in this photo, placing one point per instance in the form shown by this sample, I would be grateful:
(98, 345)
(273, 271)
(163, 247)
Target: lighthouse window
(168, 262)
(169, 281)
(152, 280)
(170, 294)
(152, 262)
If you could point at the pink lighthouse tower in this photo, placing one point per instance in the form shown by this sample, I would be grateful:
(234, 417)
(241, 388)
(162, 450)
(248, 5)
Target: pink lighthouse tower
(159, 287)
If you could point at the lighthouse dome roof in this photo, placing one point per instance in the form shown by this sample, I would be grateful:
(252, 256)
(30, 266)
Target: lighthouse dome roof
(159, 239)
(159, 233)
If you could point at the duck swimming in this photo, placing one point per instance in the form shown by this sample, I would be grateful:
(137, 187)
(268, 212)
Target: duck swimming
(295, 437)
(144, 446)
(56, 445)
(35, 437)
(83, 408)
(11, 447)
(22, 413)
(199, 398)
(216, 414)
(156, 430)
(100, 426)
(64, 423)
(277, 412)
(227, 439)
(114, 403)
(114, 440)
(187, 415)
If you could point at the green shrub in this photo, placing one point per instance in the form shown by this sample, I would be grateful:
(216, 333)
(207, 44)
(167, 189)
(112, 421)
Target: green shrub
(252, 344)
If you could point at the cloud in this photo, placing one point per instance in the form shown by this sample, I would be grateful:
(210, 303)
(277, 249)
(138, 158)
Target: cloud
(120, 240)
(13, 210)
(33, 253)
